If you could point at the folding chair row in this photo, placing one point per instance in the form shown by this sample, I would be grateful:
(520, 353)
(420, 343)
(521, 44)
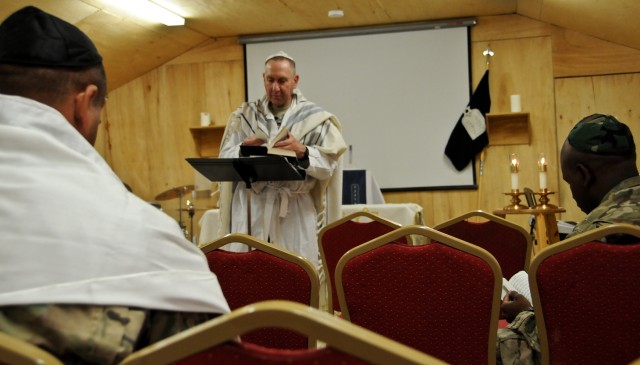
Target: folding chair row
(214, 342)
(509, 243)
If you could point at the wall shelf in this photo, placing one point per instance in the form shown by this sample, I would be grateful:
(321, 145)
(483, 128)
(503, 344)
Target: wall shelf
(207, 140)
(508, 129)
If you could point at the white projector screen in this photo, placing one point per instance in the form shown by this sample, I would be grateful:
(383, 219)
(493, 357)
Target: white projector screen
(398, 96)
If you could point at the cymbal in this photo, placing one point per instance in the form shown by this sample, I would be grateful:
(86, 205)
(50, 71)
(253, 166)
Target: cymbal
(195, 209)
(175, 192)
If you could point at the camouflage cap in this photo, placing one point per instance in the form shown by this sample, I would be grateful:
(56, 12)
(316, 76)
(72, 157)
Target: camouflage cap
(603, 135)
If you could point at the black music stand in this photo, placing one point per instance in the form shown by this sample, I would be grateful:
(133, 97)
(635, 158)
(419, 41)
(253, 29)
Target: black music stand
(248, 170)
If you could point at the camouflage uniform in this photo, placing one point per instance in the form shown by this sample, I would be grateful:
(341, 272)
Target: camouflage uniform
(87, 334)
(620, 205)
(518, 343)
(597, 134)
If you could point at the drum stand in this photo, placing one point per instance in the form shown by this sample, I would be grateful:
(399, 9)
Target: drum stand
(178, 192)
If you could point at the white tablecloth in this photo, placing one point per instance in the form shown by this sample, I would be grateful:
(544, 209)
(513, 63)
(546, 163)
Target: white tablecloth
(209, 226)
(403, 214)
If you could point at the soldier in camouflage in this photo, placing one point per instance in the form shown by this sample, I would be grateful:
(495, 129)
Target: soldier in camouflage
(93, 273)
(598, 161)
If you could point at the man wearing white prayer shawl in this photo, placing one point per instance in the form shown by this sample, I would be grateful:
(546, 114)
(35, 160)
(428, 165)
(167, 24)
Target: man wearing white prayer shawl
(88, 271)
(287, 213)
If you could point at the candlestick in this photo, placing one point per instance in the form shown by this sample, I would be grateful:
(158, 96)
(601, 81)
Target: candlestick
(514, 165)
(544, 200)
(542, 168)
(515, 201)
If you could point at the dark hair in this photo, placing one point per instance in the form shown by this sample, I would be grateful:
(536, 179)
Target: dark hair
(51, 85)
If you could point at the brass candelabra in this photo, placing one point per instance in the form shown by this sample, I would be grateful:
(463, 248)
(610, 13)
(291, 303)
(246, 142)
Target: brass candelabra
(543, 201)
(515, 200)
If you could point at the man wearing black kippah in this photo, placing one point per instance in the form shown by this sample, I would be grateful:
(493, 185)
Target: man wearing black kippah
(89, 271)
(598, 161)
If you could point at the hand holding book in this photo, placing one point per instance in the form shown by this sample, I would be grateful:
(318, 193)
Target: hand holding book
(512, 303)
(272, 149)
(250, 145)
(518, 282)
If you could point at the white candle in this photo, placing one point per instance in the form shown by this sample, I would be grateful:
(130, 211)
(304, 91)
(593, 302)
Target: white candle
(515, 104)
(205, 119)
(514, 165)
(514, 181)
(542, 168)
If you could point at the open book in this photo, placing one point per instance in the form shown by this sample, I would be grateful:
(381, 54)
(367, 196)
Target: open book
(518, 282)
(269, 149)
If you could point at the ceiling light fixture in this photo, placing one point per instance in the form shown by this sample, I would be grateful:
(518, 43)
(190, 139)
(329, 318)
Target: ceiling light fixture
(150, 11)
(337, 13)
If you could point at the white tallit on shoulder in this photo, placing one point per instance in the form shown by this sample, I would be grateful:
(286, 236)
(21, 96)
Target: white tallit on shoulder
(73, 234)
(312, 126)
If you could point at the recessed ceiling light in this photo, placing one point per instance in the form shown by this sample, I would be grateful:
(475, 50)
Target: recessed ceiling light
(337, 13)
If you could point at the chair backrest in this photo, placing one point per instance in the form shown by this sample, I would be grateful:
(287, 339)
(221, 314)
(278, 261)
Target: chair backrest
(344, 234)
(586, 294)
(508, 242)
(14, 351)
(212, 342)
(428, 296)
(267, 272)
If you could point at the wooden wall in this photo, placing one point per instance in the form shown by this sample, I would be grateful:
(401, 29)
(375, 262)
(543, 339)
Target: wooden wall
(560, 75)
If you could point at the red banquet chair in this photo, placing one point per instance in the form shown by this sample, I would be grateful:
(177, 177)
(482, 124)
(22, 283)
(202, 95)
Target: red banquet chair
(344, 234)
(509, 243)
(268, 272)
(428, 297)
(213, 342)
(586, 294)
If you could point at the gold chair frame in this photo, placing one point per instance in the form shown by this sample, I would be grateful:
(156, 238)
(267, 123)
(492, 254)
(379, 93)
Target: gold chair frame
(567, 244)
(442, 238)
(333, 331)
(353, 216)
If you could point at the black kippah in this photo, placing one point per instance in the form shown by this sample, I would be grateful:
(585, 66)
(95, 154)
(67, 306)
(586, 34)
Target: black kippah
(31, 37)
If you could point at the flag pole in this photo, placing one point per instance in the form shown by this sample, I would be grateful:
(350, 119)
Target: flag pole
(488, 53)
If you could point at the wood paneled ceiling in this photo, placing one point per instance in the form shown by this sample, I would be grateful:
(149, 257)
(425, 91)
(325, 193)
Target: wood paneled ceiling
(132, 46)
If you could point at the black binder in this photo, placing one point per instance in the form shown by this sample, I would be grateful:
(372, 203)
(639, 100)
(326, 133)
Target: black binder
(354, 187)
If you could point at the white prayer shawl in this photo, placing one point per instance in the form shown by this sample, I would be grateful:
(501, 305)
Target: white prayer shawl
(73, 234)
(288, 213)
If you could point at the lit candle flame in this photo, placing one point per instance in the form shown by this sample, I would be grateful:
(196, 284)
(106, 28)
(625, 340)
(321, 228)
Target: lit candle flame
(515, 164)
(542, 163)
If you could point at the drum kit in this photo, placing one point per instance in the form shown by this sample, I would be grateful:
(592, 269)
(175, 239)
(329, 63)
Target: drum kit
(180, 192)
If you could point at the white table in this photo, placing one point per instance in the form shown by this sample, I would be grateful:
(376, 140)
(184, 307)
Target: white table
(209, 224)
(403, 214)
